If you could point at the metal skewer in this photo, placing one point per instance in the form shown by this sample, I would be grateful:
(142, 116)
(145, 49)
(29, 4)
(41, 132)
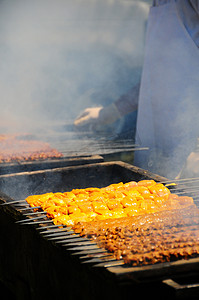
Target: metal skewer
(187, 188)
(96, 260)
(110, 264)
(58, 234)
(30, 208)
(188, 192)
(87, 247)
(13, 202)
(56, 230)
(72, 239)
(35, 213)
(103, 255)
(82, 244)
(30, 219)
(91, 252)
(179, 181)
(48, 228)
(36, 223)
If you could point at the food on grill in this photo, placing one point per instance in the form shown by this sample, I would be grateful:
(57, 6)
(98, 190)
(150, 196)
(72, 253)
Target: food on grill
(166, 218)
(21, 148)
(140, 222)
(114, 201)
(148, 239)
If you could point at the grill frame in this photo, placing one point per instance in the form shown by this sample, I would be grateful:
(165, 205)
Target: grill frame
(51, 163)
(20, 185)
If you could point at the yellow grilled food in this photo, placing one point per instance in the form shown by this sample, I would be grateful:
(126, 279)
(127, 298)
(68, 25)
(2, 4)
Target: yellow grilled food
(114, 201)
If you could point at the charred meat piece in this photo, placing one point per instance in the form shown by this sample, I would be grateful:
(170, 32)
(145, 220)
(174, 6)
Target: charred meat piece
(148, 239)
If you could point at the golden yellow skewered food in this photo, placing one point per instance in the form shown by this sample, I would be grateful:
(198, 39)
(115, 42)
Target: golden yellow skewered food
(114, 201)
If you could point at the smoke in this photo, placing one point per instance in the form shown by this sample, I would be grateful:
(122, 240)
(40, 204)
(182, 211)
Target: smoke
(58, 57)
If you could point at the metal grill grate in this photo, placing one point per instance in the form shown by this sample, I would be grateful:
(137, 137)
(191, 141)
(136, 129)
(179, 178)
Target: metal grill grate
(90, 253)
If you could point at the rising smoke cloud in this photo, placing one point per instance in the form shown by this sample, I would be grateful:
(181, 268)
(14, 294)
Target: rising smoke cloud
(58, 57)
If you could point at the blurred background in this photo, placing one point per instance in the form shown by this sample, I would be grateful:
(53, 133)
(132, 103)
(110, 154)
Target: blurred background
(59, 57)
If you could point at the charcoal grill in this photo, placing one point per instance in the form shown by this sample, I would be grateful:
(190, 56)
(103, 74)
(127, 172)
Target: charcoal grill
(77, 149)
(25, 166)
(40, 260)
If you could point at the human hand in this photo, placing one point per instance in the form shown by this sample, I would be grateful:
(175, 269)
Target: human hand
(96, 118)
(88, 116)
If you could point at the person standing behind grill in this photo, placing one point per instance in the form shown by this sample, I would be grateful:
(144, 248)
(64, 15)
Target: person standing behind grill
(167, 97)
